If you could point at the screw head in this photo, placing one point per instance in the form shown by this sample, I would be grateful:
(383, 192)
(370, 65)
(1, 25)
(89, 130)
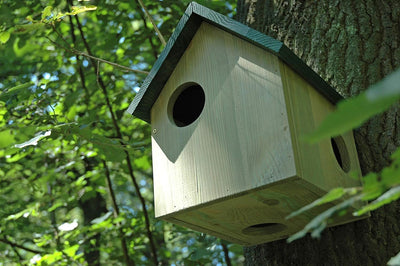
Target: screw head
(154, 131)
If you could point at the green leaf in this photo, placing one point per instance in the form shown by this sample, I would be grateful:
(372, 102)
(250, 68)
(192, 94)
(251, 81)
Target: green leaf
(57, 204)
(352, 113)
(143, 162)
(80, 9)
(389, 196)
(101, 219)
(34, 141)
(76, 10)
(18, 215)
(317, 224)
(4, 36)
(26, 28)
(6, 138)
(332, 195)
(51, 258)
(71, 251)
(19, 90)
(46, 12)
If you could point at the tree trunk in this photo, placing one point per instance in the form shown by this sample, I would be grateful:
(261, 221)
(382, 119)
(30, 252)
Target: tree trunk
(351, 44)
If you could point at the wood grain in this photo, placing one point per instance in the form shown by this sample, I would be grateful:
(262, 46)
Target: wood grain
(241, 141)
(306, 110)
(242, 162)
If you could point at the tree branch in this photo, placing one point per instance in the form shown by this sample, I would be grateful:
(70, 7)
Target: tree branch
(15, 245)
(80, 70)
(77, 52)
(119, 135)
(53, 218)
(18, 255)
(128, 261)
(153, 47)
(160, 36)
(226, 254)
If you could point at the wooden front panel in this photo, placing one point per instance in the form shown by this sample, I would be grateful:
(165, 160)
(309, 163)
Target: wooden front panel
(240, 142)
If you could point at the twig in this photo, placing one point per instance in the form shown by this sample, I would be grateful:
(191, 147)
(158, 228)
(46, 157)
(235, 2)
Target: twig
(77, 52)
(80, 70)
(153, 47)
(53, 218)
(160, 36)
(108, 62)
(226, 254)
(18, 255)
(12, 244)
(128, 261)
(109, 185)
(119, 135)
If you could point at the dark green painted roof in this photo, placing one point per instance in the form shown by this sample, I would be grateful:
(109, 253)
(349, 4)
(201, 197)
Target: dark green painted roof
(180, 39)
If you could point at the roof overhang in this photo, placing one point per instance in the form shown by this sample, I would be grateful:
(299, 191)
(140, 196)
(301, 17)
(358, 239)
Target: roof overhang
(187, 27)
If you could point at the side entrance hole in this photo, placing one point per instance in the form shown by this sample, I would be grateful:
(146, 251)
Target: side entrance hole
(341, 153)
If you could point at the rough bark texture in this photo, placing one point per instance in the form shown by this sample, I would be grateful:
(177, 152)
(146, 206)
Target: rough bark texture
(351, 44)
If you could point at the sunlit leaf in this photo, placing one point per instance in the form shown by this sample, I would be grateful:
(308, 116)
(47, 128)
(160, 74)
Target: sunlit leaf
(56, 205)
(143, 163)
(71, 251)
(51, 258)
(4, 36)
(316, 225)
(6, 138)
(68, 226)
(34, 141)
(17, 215)
(80, 9)
(353, 112)
(332, 195)
(102, 218)
(76, 10)
(389, 196)
(47, 12)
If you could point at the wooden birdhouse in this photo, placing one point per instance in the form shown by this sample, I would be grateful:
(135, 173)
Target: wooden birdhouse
(227, 106)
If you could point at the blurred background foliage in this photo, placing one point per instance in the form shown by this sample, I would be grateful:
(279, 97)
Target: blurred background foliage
(75, 168)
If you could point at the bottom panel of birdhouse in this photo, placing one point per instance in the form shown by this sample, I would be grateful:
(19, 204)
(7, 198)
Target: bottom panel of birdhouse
(257, 216)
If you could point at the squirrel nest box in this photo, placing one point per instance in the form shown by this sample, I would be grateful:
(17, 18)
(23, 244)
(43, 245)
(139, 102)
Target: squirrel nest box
(227, 105)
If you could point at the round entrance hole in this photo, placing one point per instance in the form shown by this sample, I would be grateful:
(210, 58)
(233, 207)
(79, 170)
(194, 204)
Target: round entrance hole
(264, 229)
(186, 104)
(341, 153)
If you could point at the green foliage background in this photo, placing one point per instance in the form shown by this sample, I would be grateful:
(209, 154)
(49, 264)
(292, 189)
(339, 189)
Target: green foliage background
(75, 169)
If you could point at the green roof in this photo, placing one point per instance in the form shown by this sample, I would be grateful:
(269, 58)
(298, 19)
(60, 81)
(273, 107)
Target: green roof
(180, 39)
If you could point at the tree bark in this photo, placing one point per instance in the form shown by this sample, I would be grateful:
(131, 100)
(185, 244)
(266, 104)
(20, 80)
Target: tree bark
(352, 45)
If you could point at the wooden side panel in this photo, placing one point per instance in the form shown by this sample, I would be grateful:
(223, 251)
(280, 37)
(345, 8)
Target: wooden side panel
(240, 142)
(317, 163)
